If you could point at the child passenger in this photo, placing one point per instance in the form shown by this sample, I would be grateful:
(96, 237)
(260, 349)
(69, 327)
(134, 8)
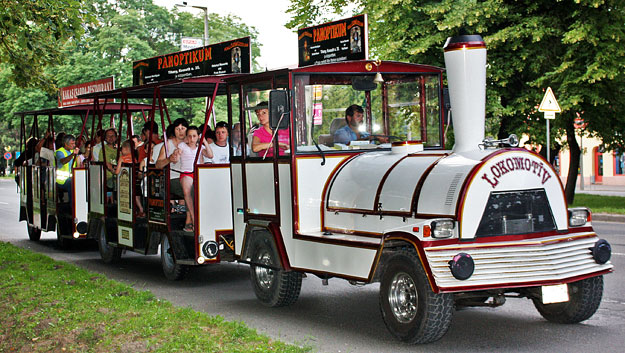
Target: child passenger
(187, 150)
(126, 156)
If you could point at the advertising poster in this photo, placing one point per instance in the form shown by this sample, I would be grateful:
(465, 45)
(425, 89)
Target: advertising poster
(229, 57)
(334, 42)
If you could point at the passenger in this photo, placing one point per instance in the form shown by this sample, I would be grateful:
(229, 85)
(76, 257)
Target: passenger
(187, 151)
(125, 155)
(220, 147)
(84, 154)
(171, 156)
(149, 129)
(351, 131)
(210, 134)
(97, 145)
(65, 163)
(45, 149)
(238, 143)
(262, 139)
(110, 153)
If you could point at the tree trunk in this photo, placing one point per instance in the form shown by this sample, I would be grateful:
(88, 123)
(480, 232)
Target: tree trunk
(574, 153)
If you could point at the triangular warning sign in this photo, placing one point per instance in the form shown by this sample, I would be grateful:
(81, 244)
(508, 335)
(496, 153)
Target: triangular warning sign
(549, 103)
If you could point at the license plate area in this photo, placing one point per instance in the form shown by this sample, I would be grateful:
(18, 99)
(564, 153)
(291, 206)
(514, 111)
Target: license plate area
(558, 293)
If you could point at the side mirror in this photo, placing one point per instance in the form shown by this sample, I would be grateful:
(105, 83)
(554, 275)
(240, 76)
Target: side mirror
(279, 109)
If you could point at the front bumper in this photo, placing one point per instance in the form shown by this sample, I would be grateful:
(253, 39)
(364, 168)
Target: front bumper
(520, 263)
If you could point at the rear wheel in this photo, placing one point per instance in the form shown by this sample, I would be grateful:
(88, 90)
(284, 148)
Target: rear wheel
(34, 233)
(412, 312)
(109, 254)
(272, 285)
(584, 299)
(171, 269)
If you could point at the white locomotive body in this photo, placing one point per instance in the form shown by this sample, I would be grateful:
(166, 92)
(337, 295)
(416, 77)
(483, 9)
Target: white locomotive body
(438, 228)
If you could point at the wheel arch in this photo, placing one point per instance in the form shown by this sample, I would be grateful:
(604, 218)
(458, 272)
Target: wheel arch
(275, 236)
(393, 241)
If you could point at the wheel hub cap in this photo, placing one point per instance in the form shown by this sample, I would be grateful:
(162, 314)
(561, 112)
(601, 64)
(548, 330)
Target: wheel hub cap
(403, 297)
(263, 274)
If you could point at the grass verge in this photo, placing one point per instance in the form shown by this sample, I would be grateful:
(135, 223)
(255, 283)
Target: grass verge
(601, 204)
(52, 306)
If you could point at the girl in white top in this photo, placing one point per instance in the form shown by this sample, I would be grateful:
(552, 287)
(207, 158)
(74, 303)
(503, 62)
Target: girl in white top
(187, 151)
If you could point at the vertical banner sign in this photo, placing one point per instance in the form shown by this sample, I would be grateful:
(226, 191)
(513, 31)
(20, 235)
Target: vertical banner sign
(68, 95)
(334, 42)
(229, 57)
(318, 105)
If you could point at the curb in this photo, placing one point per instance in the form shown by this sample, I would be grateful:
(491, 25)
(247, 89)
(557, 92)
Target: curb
(607, 217)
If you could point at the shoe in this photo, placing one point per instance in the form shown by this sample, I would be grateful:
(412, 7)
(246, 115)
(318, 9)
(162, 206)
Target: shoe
(188, 227)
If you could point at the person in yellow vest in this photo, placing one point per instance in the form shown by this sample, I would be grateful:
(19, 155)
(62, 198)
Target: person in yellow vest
(65, 162)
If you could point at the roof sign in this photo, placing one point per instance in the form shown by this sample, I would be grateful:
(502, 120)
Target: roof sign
(333, 42)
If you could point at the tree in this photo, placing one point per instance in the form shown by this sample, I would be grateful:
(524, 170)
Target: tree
(33, 34)
(573, 47)
(119, 33)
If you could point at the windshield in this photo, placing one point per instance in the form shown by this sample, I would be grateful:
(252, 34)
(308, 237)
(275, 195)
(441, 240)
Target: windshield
(342, 112)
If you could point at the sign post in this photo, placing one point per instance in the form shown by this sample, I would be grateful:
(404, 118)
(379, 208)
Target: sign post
(550, 107)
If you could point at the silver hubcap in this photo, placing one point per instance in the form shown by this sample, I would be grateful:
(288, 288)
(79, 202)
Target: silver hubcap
(403, 297)
(264, 275)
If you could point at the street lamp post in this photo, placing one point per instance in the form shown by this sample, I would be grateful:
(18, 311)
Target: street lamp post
(205, 9)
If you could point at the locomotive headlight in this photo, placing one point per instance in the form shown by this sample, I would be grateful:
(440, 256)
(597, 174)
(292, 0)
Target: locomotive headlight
(442, 228)
(578, 216)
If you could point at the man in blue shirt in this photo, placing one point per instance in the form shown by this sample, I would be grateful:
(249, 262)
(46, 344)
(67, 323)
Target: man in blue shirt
(351, 132)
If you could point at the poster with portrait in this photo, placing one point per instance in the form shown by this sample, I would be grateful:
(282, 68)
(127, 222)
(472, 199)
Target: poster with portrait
(332, 42)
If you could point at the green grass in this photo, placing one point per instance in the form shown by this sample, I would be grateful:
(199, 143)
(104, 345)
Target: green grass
(601, 204)
(52, 306)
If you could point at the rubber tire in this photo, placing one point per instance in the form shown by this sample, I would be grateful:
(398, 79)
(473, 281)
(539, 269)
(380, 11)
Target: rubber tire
(274, 288)
(61, 242)
(34, 234)
(109, 254)
(434, 312)
(584, 299)
(172, 270)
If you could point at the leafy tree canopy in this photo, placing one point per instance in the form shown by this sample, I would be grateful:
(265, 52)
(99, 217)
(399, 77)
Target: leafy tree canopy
(108, 37)
(575, 47)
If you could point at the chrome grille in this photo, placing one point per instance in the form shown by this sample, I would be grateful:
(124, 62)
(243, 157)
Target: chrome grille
(514, 262)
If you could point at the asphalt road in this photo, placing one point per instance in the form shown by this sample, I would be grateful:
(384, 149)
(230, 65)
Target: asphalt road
(345, 318)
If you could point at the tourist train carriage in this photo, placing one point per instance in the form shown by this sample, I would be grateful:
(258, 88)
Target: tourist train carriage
(40, 205)
(438, 228)
(115, 221)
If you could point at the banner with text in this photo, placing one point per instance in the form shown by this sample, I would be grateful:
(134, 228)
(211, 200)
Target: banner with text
(67, 95)
(334, 42)
(229, 57)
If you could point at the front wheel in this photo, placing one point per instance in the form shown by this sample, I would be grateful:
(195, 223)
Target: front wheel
(584, 299)
(273, 286)
(412, 312)
(108, 253)
(34, 233)
(172, 270)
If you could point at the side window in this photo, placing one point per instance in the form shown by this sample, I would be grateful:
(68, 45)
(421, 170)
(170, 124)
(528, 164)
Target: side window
(259, 134)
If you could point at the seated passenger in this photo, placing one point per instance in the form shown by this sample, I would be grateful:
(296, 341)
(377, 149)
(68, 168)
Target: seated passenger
(351, 132)
(108, 155)
(220, 149)
(238, 140)
(262, 140)
(45, 149)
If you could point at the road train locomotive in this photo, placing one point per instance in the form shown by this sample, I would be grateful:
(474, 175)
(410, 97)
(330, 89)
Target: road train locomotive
(437, 228)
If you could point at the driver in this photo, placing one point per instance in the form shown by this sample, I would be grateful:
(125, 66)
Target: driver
(351, 132)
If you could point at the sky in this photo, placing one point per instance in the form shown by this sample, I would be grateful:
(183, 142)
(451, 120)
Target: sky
(279, 44)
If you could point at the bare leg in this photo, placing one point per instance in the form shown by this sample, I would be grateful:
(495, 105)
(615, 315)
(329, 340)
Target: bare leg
(187, 186)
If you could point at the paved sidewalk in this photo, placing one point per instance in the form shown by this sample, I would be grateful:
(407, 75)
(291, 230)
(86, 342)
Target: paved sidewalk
(599, 189)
